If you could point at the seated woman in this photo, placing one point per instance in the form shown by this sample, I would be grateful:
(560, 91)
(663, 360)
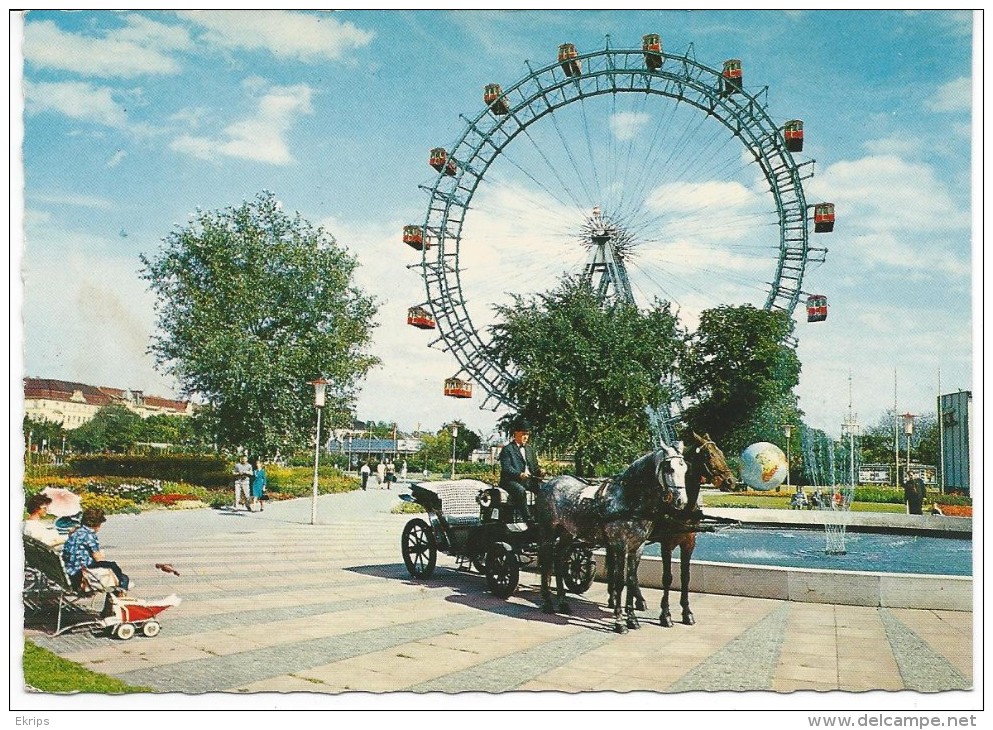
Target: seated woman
(37, 526)
(82, 550)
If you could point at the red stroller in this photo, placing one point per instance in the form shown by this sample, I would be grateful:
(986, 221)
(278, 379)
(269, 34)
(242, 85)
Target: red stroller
(128, 615)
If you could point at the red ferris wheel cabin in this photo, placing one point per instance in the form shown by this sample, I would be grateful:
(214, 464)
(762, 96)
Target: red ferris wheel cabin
(817, 307)
(420, 317)
(568, 60)
(458, 388)
(651, 45)
(793, 134)
(440, 161)
(493, 96)
(823, 217)
(413, 236)
(732, 76)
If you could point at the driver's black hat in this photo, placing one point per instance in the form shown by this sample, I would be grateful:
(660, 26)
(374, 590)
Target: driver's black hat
(519, 424)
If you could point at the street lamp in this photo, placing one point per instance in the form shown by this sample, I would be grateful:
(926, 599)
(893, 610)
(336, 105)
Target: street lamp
(788, 430)
(320, 385)
(455, 435)
(908, 430)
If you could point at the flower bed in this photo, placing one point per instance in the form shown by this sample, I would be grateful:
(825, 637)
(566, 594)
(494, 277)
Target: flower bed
(171, 499)
(955, 510)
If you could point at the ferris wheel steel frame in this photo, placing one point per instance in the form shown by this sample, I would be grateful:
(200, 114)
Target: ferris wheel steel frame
(542, 92)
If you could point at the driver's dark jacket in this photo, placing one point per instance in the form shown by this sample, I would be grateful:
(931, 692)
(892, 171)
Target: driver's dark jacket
(512, 464)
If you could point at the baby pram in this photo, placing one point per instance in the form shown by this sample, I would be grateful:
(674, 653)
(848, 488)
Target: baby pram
(127, 615)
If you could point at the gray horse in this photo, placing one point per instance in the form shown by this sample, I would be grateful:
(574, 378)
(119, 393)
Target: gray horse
(618, 513)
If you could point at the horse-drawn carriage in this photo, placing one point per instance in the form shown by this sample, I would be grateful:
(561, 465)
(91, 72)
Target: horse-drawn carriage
(474, 523)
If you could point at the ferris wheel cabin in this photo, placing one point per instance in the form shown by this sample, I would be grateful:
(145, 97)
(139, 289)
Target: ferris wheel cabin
(458, 388)
(732, 76)
(440, 161)
(651, 45)
(568, 60)
(793, 134)
(493, 96)
(823, 217)
(817, 307)
(413, 236)
(420, 317)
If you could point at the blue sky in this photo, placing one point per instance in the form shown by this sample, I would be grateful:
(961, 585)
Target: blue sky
(133, 120)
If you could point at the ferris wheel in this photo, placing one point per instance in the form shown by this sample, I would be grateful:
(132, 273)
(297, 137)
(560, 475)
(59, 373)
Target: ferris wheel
(649, 173)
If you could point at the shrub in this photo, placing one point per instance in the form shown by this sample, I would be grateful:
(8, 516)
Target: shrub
(955, 510)
(206, 471)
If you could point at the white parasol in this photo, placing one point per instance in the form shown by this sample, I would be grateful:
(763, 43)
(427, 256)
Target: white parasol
(64, 503)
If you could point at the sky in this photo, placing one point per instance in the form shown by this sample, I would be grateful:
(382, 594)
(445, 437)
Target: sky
(133, 121)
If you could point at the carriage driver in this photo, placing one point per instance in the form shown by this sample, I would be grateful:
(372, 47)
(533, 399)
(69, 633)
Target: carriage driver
(519, 470)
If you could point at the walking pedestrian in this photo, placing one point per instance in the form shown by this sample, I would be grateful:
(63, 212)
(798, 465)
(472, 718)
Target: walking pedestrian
(242, 476)
(403, 470)
(381, 473)
(258, 483)
(391, 474)
(365, 471)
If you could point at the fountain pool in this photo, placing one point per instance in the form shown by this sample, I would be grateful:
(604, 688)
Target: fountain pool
(866, 551)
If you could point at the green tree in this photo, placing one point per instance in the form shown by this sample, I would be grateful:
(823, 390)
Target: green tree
(253, 303)
(740, 373)
(41, 430)
(586, 372)
(114, 428)
(163, 428)
(436, 449)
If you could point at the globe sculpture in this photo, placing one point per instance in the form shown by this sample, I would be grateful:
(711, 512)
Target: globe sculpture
(763, 466)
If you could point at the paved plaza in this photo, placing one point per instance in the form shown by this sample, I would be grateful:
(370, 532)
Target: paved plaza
(274, 604)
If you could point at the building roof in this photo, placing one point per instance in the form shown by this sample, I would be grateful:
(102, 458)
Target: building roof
(63, 390)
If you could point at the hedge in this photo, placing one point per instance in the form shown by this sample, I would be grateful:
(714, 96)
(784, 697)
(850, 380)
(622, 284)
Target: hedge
(206, 471)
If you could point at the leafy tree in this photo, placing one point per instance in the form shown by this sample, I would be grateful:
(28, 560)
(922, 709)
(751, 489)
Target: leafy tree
(252, 304)
(114, 428)
(41, 430)
(436, 449)
(587, 371)
(163, 428)
(740, 372)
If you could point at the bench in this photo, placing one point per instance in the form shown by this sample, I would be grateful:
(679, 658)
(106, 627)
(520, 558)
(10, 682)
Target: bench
(45, 580)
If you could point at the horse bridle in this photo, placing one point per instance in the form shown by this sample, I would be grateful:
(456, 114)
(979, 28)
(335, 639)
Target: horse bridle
(705, 465)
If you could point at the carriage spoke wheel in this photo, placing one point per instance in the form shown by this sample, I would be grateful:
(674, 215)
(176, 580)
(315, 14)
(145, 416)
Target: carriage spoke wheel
(419, 548)
(578, 569)
(502, 571)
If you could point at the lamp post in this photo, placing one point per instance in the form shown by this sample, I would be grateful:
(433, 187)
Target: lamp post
(788, 430)
(349, 452)
(908, 430)
(320, 385)
(455, 435)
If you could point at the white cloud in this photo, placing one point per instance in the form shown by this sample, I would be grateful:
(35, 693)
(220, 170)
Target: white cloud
(627, 125)
(260, 137)
(75, 99)
(139, 48)
(301, 36)
(955, 96)
(116, 158)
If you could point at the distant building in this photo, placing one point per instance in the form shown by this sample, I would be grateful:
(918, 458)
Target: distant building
(73, 404)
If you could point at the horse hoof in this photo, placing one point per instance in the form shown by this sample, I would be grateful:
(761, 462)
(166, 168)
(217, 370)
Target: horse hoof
(632, 623)
(547, 607)
(640, 605)
(620, 629)
(610, 603)
(564, 608)
(688, 619)
(665, 621)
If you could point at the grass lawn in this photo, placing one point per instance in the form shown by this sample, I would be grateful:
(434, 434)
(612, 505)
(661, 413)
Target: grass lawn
(781, 500)
(49, 672)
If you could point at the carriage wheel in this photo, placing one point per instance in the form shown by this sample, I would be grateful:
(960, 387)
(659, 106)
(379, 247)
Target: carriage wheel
(502, 571)
(419, 548)
(578, 569)
(124, 632)
(151, 629)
